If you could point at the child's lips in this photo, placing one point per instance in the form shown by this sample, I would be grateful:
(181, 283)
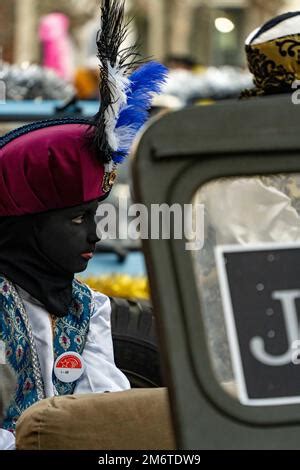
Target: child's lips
(87, 256)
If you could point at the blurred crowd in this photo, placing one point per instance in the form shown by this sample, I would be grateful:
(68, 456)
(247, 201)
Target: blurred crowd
(57, 78)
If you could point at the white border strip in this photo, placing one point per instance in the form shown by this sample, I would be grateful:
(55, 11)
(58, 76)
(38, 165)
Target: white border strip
(220, 251)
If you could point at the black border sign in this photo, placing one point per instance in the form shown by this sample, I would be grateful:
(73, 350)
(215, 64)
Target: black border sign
(260, 290)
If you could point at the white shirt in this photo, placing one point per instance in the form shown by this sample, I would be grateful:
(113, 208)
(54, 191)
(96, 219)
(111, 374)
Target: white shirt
(100, 373)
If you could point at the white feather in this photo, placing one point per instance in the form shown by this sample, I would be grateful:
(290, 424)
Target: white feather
(126, 135)
(119, 84)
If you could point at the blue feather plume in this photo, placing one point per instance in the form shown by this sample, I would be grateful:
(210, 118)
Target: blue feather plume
(144, 83)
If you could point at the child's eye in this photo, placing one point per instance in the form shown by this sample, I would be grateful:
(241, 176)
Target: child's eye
(78, 220)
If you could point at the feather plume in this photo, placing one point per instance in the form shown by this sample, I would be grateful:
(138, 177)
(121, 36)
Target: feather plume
(115, 65)
(125, 98)
(144, 83)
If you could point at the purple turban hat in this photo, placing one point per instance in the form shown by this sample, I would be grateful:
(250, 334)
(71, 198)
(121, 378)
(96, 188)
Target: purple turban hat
(49, 168)
(63, 163)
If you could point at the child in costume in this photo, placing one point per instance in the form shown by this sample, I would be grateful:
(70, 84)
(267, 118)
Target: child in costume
(53, 174)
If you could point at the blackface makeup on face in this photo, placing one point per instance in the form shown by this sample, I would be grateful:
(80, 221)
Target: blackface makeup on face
(68, 236)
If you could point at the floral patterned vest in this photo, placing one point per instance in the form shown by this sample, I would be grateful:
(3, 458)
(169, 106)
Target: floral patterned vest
(70, 334)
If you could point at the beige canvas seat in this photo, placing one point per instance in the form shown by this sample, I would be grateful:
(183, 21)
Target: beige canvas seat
(137, 419)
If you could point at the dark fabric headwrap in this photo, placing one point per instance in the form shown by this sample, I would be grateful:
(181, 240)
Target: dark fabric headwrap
(24, 263)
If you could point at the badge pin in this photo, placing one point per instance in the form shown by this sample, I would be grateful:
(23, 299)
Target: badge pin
(69, 367)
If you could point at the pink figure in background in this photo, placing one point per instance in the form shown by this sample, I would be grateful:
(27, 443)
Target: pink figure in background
(57, 49)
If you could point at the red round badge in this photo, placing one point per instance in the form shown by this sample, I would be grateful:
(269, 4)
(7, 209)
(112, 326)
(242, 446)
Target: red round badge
(69, 367)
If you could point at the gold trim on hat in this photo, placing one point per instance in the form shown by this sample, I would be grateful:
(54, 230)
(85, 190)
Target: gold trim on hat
(109, 180)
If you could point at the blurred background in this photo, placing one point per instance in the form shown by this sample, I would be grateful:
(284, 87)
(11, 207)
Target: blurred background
(48, 68)
(194, 28)
(202, 42)
(165, 27)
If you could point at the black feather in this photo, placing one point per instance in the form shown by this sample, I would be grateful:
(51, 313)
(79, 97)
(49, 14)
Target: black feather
(110, 38)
